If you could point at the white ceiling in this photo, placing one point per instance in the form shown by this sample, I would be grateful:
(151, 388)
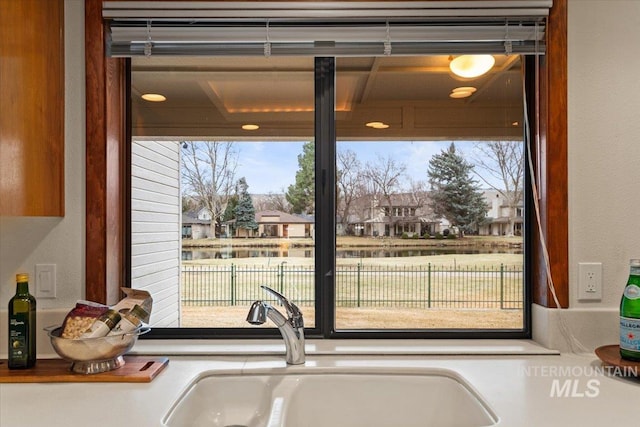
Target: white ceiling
(214, 96)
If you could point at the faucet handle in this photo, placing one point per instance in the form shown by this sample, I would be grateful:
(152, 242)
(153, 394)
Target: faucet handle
(293, 311)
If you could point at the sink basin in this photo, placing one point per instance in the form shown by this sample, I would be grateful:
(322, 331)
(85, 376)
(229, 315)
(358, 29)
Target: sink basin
(344, 398)
(224, 400)
(384, 400)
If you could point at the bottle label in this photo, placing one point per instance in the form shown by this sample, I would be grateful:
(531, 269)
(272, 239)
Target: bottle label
(123, 326)
(632, 292)
(629, 334)
(97, 329)
(18, 333)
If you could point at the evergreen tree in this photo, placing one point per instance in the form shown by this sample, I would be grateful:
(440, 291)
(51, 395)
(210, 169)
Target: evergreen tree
(230, 211)
(301, 195)
(455, 195)
(245, 212)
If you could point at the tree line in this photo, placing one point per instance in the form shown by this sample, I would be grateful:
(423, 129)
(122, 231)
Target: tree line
(450, 190)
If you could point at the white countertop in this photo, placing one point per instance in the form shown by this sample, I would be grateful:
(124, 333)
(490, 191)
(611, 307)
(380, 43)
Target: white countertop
(515, 378)
(377, 347)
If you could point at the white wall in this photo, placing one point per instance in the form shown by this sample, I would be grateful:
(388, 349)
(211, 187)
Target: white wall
(604, 141)
(604, 155)
(27, 241)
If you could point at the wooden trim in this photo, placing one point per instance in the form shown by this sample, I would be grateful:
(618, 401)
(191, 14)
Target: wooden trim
(551, 160)
(550, 156)
(105, 145)
(116, 176)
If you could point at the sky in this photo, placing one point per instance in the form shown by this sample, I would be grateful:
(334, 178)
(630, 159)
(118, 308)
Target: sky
(270, 167)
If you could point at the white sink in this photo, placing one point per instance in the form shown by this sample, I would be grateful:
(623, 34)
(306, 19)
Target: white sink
(344, 398)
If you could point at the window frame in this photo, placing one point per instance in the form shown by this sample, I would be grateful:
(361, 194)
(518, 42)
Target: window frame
(325, 145)
(107, 151)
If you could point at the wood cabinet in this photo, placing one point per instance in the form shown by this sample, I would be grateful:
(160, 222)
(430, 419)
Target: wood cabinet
(32, 107)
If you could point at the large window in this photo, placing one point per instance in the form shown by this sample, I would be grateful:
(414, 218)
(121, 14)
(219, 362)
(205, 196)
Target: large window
(108, 145)
(430, 179)
(336, 196)
(229, 152)
(357, 31)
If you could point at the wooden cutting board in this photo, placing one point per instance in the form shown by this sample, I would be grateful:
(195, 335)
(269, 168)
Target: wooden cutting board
(137, 369)
(610, 355)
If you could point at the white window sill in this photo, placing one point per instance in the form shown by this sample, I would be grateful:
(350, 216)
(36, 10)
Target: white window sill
(341, 347)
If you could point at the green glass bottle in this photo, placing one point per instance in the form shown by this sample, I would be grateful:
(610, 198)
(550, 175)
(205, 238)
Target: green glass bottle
(22, 326)
(630, 315)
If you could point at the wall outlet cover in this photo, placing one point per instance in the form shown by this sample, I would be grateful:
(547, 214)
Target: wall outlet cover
(590, 281)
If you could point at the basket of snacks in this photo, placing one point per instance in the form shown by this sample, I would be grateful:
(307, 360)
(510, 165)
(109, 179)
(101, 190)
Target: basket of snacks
(95, 337)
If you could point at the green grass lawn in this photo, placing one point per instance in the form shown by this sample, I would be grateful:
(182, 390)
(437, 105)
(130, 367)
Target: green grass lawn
(388, 285)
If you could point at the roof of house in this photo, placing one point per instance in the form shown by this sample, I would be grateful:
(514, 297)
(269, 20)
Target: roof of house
(188, 219)
(402, 200)
(279, 217)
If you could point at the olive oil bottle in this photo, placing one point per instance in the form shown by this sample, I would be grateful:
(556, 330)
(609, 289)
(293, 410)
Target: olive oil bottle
(22, 326)
(630, 314)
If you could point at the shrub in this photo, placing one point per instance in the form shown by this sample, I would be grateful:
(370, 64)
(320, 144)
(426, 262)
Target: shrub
(439, 236)
(405, 235)
(452, 236)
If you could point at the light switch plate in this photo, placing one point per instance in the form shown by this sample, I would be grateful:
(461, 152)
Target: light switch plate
(45, 280)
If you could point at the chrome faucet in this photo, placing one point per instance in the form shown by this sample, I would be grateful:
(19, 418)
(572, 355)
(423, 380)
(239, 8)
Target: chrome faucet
(291, 328)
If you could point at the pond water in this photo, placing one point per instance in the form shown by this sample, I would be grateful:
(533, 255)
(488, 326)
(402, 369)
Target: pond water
(228, 253)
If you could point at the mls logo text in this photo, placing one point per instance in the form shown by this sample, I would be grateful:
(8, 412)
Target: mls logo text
(577, 381)
(574, 388)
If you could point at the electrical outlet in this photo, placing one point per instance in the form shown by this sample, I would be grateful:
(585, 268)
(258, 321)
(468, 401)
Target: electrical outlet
(590, 281)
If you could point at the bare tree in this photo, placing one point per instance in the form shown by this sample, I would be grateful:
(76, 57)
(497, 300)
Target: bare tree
(504, 161)
(188, 203)
(385, 175)
(418, 192)
(349, 184)
(208, 174)
(273, 202)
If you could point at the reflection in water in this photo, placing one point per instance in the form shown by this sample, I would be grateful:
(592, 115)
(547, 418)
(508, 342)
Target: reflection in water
(227, 253)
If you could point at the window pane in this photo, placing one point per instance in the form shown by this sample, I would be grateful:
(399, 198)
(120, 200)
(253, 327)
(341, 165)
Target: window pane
(218, 207)
(430, 195)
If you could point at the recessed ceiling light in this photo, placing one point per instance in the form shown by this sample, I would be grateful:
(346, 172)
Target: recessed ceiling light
(516, 123)
(250, 127)
(154, 97)
(460, 94)
(377, 125)
(464, 89)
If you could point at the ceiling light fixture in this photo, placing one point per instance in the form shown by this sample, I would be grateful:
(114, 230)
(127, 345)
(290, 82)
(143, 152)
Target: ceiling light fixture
(471, 66)
(250, 127)
(462, 92)
(377, 125)
(464, 89)
(154, 97)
